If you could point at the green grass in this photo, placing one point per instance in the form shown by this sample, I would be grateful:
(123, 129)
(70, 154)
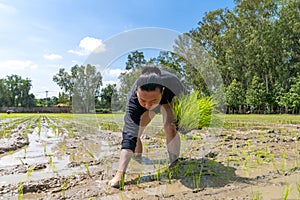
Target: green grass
(255, 120)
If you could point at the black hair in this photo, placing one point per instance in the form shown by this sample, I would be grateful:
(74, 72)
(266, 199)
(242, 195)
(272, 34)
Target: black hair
(150, 79)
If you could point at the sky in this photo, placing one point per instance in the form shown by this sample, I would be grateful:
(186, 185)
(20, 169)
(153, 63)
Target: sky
(37, 38)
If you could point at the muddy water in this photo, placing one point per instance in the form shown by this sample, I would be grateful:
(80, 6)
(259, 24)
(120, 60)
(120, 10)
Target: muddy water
(233, 164)
(45, 153)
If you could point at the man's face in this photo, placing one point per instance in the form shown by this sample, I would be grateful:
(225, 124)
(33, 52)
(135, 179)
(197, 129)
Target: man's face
(149, 99)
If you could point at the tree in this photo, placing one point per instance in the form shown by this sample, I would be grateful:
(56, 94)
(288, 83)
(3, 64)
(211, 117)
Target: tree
(256, 95)
(257, 38)
(65, 80)
(171, 62)
(135, 61)
(200, 72)
(82, 84)
(292, 98)
(18, 91)
(63, 98)
(4, 94)
(235, 96)
(109, 95)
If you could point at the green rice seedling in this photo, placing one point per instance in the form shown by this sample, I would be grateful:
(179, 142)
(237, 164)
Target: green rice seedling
(90, 153)
(188, 171)
(230, 159)
(51, 163)
(22, 162)
(197, 179)
(176, 171)
(196, 137)
(256, 196)
(233, 146)
(286, 192)
(298, 188)
(63, 147)
(39, 127)
(283, 163)
(192, 112)
(3, 133)
(10, 152)
(72, 157)
(138, 181)
(86, 164)
(122, 185)
(65, 185)
(20, 189)
(245, 161)
(158, 172)
(106, 163)
(170, 175)
(45, 149)
(30, 170)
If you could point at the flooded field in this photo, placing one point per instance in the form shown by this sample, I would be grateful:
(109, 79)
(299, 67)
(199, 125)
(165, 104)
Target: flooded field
(60, 156)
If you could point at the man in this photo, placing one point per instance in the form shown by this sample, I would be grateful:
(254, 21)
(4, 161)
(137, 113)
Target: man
(152, 93)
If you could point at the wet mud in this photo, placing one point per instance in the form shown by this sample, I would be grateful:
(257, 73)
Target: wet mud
(52, 158)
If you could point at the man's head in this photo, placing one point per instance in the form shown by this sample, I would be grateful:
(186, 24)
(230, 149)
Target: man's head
(149, 87)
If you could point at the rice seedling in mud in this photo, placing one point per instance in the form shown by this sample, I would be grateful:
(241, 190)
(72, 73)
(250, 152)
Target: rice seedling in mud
(39, 125)
(30, 170)
(22, 162)
(286, 192)
(197, 179)
(256, 148)
(283, 163)
(20, 188)
(86, 164)
(65, 184)
(256, 196)
(45, 149)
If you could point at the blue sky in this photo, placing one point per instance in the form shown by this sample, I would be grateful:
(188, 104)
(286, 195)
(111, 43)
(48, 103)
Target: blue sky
(38, 37)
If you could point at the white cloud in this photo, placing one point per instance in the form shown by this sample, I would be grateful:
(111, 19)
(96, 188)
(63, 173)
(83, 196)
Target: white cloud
(111, 74)
(52, 56)
(79, 53)
(87, 45)
(15, 65)
(7, 9)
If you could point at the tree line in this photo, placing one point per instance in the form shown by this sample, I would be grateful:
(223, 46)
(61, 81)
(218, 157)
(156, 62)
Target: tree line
(15, 92)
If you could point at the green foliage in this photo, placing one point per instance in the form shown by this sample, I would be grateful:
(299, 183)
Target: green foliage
(83, 84)
(135, 61)
(15, 92)
(256, 95)
(257, 44)
(206, 112)
(109, 98)
(235, 95)
(192, 112)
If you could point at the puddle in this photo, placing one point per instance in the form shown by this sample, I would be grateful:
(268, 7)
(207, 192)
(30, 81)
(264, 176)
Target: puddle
(45, 147)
